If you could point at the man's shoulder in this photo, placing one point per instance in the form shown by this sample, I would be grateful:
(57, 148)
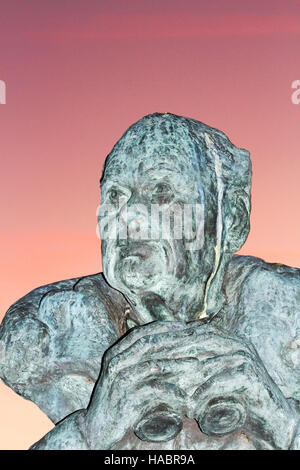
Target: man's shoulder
(84, 309)
(263, 305)
(95, 283)
(255, 288)
(52, 341)
(91, 287)
(252, 262)
(251, 275)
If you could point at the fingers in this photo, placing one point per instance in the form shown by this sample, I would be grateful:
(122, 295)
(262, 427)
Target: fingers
(136, 333)
(202, 346)
(174, 340)
(142, 387)
(226, 376)
(151, 370)
(195, 359)
(161, 370)
(146, 346)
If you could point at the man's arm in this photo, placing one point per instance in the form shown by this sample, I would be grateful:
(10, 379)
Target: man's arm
(68, 434)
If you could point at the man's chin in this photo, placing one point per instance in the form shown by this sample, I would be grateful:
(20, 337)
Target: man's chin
(136, 267)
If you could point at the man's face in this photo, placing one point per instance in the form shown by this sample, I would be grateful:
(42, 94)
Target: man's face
(144, 253)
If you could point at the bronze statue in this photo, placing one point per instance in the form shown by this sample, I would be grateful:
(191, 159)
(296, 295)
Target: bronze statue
(179, 344)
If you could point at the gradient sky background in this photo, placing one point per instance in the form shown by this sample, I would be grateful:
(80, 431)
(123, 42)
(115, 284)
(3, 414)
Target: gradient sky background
(79, 72)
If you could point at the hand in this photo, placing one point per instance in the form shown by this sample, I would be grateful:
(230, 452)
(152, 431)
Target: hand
(231, 371)
(188, 365)
(132, 382)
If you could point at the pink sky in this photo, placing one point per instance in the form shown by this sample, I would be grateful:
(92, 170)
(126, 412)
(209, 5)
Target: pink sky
(79, 72)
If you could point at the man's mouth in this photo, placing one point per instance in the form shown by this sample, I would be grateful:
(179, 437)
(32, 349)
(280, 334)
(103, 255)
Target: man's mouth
(133, 248)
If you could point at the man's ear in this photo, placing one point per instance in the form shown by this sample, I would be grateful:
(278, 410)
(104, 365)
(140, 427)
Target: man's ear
(236, 222)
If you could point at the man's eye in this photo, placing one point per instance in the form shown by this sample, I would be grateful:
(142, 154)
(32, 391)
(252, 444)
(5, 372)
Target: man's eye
(113, 195)
(162, 188)
(162, 193)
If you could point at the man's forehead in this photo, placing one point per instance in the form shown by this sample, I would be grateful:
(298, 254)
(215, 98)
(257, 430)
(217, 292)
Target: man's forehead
(145, 162)
(155, 142)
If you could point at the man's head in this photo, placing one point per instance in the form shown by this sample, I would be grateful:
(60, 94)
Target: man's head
(171, 266)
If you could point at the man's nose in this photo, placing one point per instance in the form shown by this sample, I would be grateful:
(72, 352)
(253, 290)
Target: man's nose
(134, 218)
